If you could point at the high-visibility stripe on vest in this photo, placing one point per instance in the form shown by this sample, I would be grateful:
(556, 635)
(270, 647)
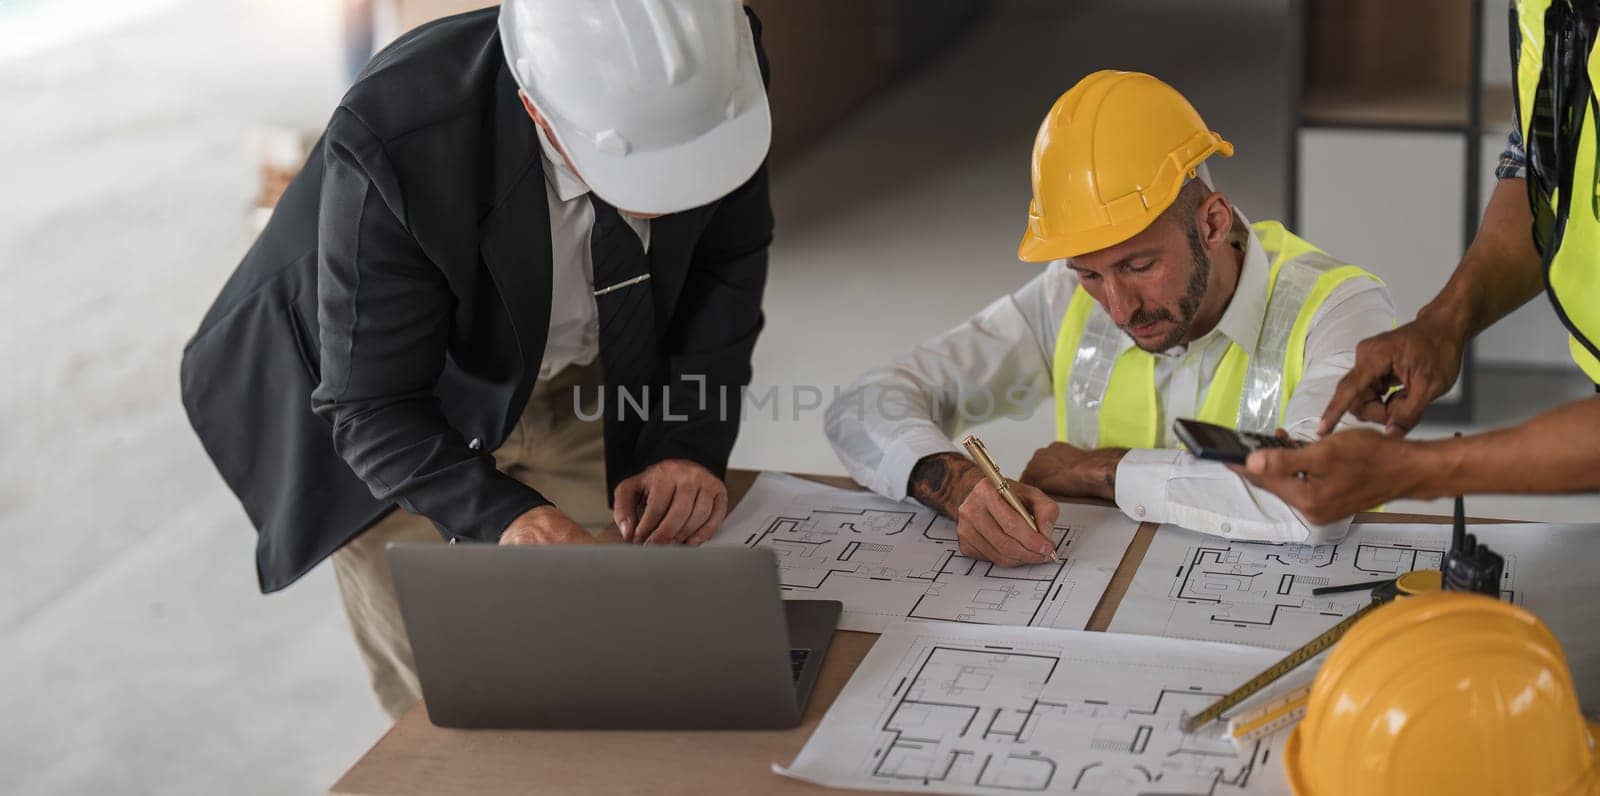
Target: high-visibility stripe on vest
(1572, 264)
(1106, 395)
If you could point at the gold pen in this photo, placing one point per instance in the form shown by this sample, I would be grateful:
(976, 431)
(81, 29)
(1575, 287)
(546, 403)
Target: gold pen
(980, 455)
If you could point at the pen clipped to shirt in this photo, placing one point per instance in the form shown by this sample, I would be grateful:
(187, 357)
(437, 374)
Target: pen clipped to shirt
(980, 454)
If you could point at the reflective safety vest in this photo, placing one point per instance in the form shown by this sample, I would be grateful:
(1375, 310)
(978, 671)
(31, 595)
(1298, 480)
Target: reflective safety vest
(1570, 243)
(1106, 395)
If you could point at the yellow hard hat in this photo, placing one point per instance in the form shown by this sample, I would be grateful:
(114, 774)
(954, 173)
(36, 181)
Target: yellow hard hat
(1110, 157)
(1448, 693)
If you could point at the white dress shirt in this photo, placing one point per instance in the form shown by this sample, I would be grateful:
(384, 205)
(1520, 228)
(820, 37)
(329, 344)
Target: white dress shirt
(893, 416)
(574, 322)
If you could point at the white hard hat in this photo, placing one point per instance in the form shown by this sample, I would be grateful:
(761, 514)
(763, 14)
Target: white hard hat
(658, 103)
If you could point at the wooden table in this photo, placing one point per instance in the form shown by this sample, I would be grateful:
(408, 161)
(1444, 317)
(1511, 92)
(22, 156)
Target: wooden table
(415, 757)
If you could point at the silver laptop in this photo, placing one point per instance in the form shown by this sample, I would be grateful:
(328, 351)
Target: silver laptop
(608, 636)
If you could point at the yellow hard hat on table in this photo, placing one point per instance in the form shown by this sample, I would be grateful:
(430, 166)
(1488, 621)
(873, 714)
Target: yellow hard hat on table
(1444, 693)
(1112, 154)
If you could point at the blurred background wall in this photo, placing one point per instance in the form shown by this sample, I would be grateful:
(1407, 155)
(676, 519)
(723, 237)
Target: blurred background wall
(138, 137)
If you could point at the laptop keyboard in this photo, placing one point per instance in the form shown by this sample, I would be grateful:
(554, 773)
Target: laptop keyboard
(797, 662)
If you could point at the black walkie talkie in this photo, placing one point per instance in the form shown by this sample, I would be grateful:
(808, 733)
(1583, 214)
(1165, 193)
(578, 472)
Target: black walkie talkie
(1470, 566)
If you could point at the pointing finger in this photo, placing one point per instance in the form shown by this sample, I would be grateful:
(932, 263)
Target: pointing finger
(1344, 397)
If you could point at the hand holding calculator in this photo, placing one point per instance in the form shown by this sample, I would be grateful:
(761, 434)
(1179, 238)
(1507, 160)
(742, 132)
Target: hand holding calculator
(1223, 444)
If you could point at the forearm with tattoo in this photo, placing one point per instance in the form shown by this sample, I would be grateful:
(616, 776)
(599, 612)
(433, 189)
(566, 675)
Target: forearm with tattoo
(941, 481)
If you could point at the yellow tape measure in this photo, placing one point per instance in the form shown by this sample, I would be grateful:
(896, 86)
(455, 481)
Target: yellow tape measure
(1416, 582)
(1271, 717)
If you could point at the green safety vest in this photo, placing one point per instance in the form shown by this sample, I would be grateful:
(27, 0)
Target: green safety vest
(1106, 395)
(1572, 263)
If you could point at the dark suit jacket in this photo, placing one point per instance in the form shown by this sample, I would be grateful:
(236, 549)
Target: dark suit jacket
(383, 334)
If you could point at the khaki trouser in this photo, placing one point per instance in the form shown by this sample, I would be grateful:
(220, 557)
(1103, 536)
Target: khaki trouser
(550, 449)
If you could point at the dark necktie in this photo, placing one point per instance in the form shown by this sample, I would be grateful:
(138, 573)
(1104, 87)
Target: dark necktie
(629, 349)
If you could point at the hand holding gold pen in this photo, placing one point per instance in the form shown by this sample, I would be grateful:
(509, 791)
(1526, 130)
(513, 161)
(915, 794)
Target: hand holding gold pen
(980, 455)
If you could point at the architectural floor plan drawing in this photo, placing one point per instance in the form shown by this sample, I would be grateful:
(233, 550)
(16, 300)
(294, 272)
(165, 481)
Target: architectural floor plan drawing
(968, 709)
(1193, 585)
(1196, 586)
(889, 561)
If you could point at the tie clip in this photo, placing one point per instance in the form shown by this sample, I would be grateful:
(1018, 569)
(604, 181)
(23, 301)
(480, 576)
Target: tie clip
(620, 285)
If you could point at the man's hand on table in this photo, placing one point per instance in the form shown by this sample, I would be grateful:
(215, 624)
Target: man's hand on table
(674, 501)
(986, 526)
(545, 525)
(1063, 469)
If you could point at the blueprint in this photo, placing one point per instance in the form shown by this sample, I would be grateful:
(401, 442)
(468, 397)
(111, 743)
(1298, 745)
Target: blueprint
(1192, 585)
(889, 561)
(970, 709)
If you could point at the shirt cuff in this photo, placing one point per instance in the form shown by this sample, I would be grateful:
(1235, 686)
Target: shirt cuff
(909, 448)
(1168, 486)
(1142, 482)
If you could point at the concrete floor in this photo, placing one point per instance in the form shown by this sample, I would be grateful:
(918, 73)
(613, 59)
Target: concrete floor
(135, 651)
(136, 654)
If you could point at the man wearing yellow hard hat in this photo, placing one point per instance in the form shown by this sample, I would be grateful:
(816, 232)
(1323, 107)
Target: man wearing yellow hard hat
(1159, 302)
(1548, 186)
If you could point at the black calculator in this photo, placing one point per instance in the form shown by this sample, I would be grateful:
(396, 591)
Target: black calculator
(1223, 444)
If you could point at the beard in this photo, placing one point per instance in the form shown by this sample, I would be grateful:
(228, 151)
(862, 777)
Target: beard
(1188, 304)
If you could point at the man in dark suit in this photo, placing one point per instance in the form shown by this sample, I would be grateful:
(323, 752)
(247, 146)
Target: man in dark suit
(516, 223)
